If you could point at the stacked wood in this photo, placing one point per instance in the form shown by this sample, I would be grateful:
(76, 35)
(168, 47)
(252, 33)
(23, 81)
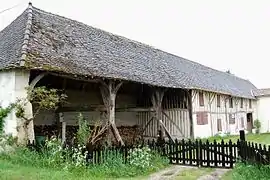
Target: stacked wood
(130, 134)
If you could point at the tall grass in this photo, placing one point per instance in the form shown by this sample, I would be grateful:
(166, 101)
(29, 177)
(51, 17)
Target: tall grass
(250, 172)
(113, 167)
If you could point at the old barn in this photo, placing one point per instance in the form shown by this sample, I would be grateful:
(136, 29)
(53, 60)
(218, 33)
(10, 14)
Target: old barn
(138, 87)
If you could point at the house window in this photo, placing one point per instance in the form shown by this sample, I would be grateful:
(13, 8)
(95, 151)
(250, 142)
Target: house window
(218, 100)
(250, 103)
(241, 103)
(219, 125)
(202, 118)
(231, 102)
(231, 119)
(201, 99)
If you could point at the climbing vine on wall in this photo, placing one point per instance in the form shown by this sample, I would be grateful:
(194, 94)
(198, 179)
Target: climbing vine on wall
(3, 114)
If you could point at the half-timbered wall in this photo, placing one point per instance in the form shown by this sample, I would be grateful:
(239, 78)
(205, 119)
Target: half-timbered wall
(212, 116)
(175, 106)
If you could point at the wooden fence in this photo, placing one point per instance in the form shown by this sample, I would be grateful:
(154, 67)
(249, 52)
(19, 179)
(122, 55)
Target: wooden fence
(193, 153)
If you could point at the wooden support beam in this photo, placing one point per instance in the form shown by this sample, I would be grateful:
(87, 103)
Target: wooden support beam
(102, 108)
(61, 119)
(108, 91)
(169, 118)
(147, 124)
(157, 98)
(77, 78)
(210, 101)
(193, 95)
(166, 131)
(37, 79)
(190, 112)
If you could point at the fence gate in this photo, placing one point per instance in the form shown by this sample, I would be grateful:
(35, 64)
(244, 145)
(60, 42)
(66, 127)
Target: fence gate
(203, 154)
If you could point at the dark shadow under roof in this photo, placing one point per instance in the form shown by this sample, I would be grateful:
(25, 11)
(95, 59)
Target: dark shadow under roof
(41, 40)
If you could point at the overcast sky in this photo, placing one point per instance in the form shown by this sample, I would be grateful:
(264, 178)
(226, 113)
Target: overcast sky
(228, 34)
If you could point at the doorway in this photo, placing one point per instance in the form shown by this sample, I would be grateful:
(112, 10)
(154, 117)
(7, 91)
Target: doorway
(249, 122)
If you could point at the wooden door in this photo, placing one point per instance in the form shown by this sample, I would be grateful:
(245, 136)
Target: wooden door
(249, 122)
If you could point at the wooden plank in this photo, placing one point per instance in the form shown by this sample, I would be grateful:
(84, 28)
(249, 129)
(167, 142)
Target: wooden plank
(169, 118)
(82, 108)
(166, 131)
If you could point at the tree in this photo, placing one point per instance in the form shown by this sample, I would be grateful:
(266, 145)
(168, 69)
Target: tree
(42, 99)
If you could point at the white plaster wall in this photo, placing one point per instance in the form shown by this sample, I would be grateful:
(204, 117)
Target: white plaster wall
(221, 112)
(263, 112)
(13, 84)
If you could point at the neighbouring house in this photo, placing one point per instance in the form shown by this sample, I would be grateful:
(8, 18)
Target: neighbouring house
(263, 104)
(143, 88)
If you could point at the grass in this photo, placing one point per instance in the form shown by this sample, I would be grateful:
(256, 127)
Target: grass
(25, 164)
(193, 173)
(227, 175)
(10, 171)
(263, 138)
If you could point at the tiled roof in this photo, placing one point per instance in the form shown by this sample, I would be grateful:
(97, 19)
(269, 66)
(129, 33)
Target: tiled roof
(42, 40)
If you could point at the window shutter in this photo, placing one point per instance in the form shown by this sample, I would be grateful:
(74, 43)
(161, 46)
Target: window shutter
(202, 118)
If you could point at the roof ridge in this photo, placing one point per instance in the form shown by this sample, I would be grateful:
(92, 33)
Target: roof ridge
(26, 34)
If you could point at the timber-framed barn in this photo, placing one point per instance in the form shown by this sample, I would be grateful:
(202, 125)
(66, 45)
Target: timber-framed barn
(128, 83)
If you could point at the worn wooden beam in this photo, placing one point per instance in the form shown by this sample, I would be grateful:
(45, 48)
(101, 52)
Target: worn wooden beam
(102, 108)
(166, 130)
(37, 79)
(147, 124)
(157, 98)
(108, 91)
(211, 97)
(77, 78)
(190, 101)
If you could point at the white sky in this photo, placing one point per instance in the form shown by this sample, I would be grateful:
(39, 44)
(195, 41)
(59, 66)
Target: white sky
(228, 34)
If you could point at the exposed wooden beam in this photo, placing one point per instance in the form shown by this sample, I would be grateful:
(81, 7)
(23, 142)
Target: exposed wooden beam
(190, 101)
(166, 130)
(157, 98)
(147, 124)
(102, 108)
(77, 78)
(169, 118)
(108, 91)
(37, 79)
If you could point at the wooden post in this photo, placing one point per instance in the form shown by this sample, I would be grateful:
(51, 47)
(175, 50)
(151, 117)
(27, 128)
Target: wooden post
(210, 100)
(61, 119)
(242, 135)
(157, 98)
(241, 144)
(190, 112)
(108, 91)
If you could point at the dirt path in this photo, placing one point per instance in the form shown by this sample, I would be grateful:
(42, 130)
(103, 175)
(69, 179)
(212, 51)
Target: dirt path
(169, 173)
(216, 175)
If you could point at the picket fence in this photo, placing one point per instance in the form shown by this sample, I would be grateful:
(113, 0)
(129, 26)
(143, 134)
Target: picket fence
(192, 153)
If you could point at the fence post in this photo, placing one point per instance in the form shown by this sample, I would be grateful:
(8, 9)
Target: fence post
(161, 143)
(241, 148)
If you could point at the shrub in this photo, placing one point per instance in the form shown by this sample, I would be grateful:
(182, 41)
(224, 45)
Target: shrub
(257, 125)
(250, 172)
(140, 157)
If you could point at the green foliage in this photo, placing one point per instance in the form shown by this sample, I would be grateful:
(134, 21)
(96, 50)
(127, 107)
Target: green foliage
(54, 157)
(3, 114)
(45, 98)
(257, 125)
(140, 157)
(83, 131)
(250, 172)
